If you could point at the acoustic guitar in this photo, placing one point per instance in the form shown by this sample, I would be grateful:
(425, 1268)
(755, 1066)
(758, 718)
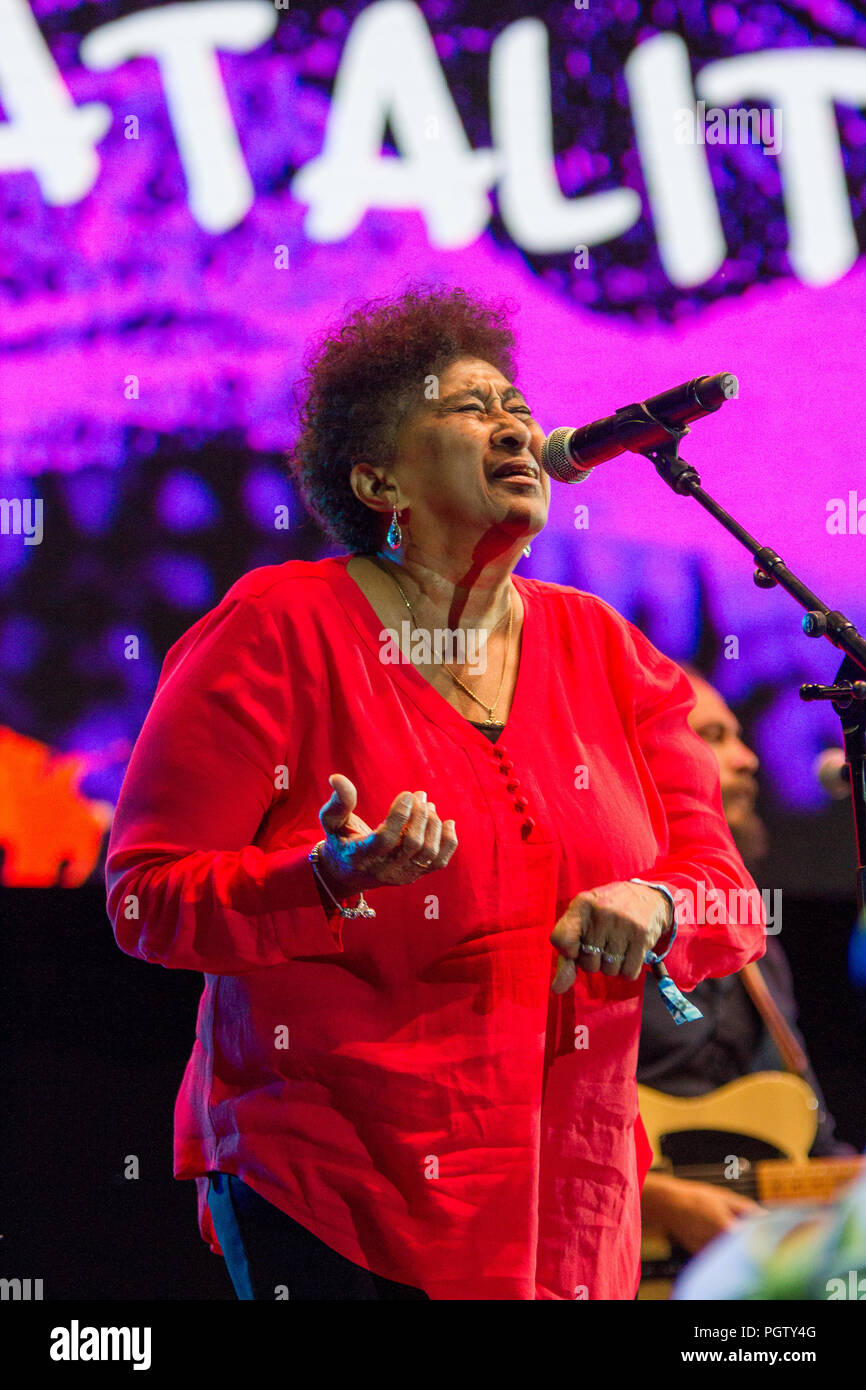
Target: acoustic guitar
(776, 1107)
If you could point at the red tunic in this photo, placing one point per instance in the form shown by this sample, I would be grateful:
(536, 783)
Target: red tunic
(406, 1087)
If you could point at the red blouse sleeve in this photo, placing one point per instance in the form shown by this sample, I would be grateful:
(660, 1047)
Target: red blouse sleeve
(186, 886)
(720, 915)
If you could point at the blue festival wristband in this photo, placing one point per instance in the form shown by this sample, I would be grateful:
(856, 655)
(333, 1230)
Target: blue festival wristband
(651, 957)
(679, 1008)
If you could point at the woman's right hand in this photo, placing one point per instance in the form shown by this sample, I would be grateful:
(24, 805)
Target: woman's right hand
(355, 857)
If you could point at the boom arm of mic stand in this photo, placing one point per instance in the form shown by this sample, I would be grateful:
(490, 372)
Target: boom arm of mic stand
(820, 621)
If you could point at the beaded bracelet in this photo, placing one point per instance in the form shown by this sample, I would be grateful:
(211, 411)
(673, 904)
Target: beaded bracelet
(363, 909)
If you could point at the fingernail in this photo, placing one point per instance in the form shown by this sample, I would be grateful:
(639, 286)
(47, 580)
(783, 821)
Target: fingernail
(422, 796)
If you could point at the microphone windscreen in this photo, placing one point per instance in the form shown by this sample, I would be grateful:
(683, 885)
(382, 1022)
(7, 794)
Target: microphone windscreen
(557, 461)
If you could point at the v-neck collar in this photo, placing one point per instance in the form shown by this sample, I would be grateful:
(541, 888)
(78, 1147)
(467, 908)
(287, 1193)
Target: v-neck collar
(367, 622)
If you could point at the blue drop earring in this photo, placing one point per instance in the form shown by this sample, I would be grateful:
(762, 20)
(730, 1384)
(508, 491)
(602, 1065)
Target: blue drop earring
(395, 535)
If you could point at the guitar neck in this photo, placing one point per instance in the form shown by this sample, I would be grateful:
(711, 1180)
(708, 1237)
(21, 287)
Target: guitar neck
(778, 1179)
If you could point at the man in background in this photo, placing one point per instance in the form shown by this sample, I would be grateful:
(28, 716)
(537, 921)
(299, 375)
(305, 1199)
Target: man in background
(732, 1039)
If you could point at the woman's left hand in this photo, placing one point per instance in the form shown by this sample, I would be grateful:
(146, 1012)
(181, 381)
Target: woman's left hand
(622, 920)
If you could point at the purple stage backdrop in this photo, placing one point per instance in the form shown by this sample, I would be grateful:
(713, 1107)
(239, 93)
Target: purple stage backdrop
(191, 191)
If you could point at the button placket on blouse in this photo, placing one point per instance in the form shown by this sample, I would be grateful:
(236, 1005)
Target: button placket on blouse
(512, 783)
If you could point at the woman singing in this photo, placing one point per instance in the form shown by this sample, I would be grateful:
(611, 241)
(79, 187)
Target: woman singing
(414, 1066)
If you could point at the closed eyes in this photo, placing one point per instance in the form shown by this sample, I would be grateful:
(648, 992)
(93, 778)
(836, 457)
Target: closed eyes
(515, 409)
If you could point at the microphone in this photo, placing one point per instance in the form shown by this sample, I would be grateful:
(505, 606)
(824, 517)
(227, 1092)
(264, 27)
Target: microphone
(569, 455)
(833, 772)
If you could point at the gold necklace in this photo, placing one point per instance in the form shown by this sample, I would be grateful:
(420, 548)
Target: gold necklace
(490, 722)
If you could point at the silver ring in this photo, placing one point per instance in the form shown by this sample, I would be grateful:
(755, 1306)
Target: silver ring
(594, 950)
(611, 960)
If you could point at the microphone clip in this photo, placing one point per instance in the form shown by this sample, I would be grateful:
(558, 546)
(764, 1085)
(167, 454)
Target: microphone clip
(679, 475)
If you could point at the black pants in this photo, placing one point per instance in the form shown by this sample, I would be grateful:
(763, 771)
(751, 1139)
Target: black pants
(269, 1255)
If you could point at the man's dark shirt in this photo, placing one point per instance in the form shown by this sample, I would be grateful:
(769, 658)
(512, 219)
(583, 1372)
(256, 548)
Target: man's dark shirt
(730, 1041)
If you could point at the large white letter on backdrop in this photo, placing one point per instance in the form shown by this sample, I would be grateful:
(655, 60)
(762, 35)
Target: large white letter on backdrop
(538, 217)
(802, 85)
(44, 132)
(183, 39)
(390, 73)
(680, 191)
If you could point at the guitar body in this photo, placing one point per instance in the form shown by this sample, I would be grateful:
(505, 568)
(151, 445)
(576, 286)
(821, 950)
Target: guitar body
(777, 1108)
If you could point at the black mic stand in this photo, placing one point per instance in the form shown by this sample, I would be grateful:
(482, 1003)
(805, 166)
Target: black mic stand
(848, 692)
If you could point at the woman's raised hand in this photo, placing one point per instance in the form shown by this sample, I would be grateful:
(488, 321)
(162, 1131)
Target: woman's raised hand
(409, 842)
